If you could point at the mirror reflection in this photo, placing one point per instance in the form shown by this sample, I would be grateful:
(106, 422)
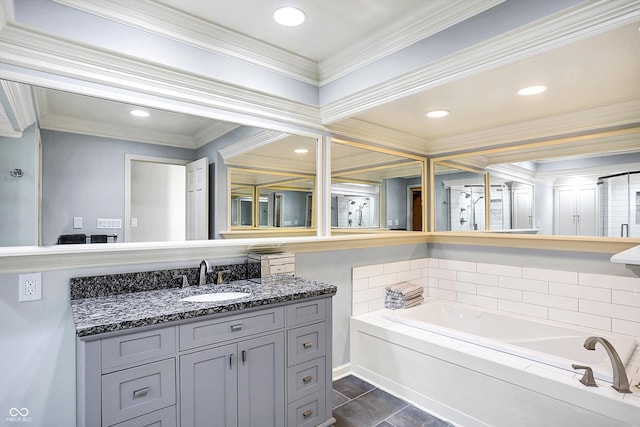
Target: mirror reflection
(374, 188)
(93, 171)
(272, 183)
(589, 186)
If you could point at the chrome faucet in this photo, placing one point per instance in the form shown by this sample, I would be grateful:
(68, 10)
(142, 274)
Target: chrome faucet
(205, 268)
(620, 380)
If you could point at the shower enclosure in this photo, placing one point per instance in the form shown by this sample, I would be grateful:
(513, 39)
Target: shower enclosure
(619, 205)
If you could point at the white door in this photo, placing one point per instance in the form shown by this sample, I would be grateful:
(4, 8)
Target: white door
(575, 210)
(586, 210)
(565, 211)
(198, 200)
(522, 208)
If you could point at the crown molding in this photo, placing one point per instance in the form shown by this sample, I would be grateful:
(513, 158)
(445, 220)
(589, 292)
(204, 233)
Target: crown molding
(168, 22)
(429, 19)
(373, 133)
(21, 103)
(574, 24)
(583, 121)
(213, 132)
(28, 48)
(258, 140)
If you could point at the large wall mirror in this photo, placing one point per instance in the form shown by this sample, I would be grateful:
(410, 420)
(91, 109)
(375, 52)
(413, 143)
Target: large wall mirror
(586, 185)
(375, 189)
(80, 169)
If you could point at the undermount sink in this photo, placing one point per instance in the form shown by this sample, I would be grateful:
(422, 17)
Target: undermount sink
(215, 297)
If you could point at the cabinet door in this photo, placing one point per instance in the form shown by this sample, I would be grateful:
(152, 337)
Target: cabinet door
(261, 377)
(208, 388)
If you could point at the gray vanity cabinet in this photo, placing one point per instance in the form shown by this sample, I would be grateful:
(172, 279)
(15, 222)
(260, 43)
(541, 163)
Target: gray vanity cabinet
(268, 367)
(234, 385)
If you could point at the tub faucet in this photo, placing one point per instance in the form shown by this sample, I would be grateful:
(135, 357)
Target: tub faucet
(620, 381)
(205, 268)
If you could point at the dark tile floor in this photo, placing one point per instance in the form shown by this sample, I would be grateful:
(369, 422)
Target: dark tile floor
(356, 403)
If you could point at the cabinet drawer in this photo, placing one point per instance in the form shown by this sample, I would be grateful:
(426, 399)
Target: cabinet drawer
(163, 418)
(306, 343)
(305, 379)
(306, 312)
(307, 412)
(211, 331)
(135, 391)
(137, 347)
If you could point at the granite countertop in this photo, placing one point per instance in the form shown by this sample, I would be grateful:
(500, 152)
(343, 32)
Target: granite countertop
(131, 310)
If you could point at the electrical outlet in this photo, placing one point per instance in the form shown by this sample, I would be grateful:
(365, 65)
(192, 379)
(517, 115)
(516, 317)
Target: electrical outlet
(29, 287)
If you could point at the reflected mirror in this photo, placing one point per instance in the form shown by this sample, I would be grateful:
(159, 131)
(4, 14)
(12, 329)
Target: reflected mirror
(587, 185)
(272, 185)
(375, 189)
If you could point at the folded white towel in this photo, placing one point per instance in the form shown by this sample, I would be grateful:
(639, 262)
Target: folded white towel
(394, 305)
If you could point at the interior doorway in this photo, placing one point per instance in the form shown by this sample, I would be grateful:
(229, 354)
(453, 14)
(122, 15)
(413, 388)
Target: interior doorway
(161, 197)
(416, 208)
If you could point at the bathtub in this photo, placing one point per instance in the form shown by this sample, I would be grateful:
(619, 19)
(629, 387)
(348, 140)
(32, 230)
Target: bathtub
(481, 368)
(539, 341)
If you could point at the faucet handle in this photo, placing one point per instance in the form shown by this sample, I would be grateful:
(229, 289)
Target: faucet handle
(220, 280)
(185, 280)
(587, 379)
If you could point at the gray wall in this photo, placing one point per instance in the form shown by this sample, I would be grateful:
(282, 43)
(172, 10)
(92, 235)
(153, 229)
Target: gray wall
(18, 208)
(83, 176)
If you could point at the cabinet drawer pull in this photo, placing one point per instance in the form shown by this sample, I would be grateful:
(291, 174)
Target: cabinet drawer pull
(236, 328)
(307, 413)
(307, 379)
(307, 344)
(140, 393)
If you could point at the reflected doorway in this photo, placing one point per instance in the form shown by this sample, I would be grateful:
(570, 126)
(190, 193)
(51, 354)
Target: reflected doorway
(162, 197)
(416, 208)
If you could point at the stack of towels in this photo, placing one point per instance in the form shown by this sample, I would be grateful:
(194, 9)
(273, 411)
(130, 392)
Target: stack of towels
(403, 295)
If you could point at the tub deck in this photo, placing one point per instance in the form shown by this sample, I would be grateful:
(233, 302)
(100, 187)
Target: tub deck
(472, 385)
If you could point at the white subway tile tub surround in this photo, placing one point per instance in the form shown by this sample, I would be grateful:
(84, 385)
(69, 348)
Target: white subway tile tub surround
(368, 282)
(599, 301)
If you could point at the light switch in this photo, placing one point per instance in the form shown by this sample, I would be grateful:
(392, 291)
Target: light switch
(134, 222)
(77, 222)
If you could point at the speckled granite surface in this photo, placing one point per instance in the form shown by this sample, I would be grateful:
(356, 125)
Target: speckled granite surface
(123, 311)
(112, 284)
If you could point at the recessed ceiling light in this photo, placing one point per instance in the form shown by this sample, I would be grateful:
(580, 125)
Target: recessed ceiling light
(300, 150)
(532, 90)
(139, 113)
(437, 113)
(289, 16)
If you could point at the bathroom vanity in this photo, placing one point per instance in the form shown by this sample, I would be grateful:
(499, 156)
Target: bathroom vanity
(151, 358)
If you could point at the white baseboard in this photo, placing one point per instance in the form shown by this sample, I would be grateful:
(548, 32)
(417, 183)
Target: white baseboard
(341, 371)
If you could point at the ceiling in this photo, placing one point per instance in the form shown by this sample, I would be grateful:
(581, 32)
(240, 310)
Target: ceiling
(599, 71)
(330, 26)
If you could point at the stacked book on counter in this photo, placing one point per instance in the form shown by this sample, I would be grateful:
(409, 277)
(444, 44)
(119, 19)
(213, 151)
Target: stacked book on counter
(403, 295)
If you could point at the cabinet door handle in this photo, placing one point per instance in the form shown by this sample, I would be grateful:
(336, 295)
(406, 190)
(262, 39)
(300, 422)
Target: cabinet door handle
(244, 356)
(307, 344)
(231, 361)
(141, 393)
(307, 379)
(307, 413)
(236, 328)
